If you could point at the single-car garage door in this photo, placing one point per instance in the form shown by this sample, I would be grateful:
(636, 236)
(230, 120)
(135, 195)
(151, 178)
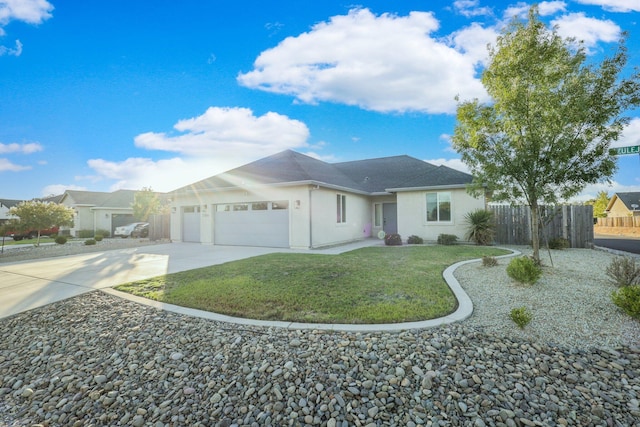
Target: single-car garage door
(191, 224)
(252, 224)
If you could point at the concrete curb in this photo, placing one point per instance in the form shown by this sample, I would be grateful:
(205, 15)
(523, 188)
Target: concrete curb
(464, 310)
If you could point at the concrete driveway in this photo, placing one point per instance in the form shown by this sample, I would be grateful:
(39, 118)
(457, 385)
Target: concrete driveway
(30, 284)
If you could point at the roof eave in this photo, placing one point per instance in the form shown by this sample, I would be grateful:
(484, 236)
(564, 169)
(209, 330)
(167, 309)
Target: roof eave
(427, 187)
(277, 184)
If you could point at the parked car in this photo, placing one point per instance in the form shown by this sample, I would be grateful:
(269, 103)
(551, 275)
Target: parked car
(31, 234)
(125, 231)
(141, 230)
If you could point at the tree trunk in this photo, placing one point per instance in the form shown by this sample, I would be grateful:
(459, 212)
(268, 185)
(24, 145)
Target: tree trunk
(535, 232)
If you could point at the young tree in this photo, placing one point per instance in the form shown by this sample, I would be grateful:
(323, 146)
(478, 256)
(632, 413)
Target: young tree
(547, 133)
(145, 203)
(37, 215)
(600, 205)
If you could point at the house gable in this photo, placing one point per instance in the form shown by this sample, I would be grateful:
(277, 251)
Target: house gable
(621, 204)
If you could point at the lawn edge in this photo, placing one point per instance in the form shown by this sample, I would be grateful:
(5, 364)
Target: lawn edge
(462, 312)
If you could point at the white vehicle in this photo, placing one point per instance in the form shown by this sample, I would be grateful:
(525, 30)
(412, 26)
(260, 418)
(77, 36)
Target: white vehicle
(125, 231)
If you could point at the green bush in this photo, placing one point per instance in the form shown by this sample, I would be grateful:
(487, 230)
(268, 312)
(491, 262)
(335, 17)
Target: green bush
(624, 271)
(98, 237)
(480, 227)
(393, 239)
(104, 233)
(521, 316)
(524, 270)
(85, 234)
(89, 242)
(415, 240)
(61, 240)
(559, 243)
(489, 261)
(447, 239)
(628, 299)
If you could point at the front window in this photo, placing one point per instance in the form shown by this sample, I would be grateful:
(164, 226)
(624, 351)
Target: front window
(439, 207)
(341, 204)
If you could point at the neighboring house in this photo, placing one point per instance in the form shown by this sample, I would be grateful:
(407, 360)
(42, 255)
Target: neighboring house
(96, 210)
(5, 205)
(291, 200)
(624, 205)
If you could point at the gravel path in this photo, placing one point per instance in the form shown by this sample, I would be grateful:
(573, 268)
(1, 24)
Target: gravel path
(99, 360)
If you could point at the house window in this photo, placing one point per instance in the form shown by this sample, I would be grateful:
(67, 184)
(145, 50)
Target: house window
(341, 204)
(259, 206)
(279, 205)
(377, 215)
(439, 207)
(241, 207)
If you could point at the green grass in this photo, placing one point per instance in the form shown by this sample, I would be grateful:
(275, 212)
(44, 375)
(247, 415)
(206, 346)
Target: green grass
(370, 285)
(8, 241)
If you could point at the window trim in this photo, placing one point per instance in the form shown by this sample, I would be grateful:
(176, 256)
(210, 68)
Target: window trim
(341, 208)
(438, 204)
(378, 215)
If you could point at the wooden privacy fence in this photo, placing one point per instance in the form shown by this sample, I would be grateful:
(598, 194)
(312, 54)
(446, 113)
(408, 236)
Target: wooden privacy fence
(623, 221)
(159, 227)
(572, 222)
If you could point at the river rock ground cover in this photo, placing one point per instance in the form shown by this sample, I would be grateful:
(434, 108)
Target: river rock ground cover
(99, 360)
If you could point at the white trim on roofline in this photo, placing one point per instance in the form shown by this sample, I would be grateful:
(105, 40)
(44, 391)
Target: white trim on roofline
(423, 188)
(278, 184)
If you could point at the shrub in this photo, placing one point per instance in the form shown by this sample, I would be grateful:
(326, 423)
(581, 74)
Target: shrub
(628, 299)
(98, 237)
(393, 239)
(524, 270)
(61, 240)
(89, 242)
(415, 240)
(480, 227)
(489, 261)
(104, 233)
(559, 243)
(624, 271)
(85, 234)
(521, 316)
(447, 239)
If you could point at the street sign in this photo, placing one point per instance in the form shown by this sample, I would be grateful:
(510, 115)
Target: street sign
(619, 151)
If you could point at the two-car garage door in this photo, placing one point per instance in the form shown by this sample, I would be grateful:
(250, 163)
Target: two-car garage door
(252, 224)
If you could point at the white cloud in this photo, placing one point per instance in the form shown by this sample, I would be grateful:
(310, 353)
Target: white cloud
(521, 9)
(615, 5)
(473, 42)
(451, 163)
(384, 63)
(56, 189)
(7, 166)
(29, 148)
(471, 8)
(591, 191)
(17, 51)
(589, 30)
(30, 11)
(229, 132)
(630, 135)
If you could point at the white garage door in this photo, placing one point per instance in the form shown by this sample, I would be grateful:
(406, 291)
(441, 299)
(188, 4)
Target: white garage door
(191, 224)
(252, 224)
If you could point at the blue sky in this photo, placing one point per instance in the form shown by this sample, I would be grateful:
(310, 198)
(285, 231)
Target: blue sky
(128, 94)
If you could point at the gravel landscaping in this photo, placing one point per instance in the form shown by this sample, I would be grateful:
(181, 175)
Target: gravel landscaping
(99, 360)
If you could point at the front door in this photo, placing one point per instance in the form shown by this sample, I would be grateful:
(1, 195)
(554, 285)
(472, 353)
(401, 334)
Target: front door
(390, 218)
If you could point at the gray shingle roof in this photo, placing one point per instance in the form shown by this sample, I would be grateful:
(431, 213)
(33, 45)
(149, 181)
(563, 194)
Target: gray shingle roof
(367, 176)
(98, 199)
(629, 199)
(10, 202)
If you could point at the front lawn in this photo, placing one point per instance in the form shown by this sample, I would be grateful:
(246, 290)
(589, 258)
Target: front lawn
(369, 285)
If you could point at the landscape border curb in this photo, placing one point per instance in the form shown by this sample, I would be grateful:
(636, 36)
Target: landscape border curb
(462, 312)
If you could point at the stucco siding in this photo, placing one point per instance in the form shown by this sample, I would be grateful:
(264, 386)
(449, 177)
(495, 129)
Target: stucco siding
(326, 228)
(412, 214)
(618, 209)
